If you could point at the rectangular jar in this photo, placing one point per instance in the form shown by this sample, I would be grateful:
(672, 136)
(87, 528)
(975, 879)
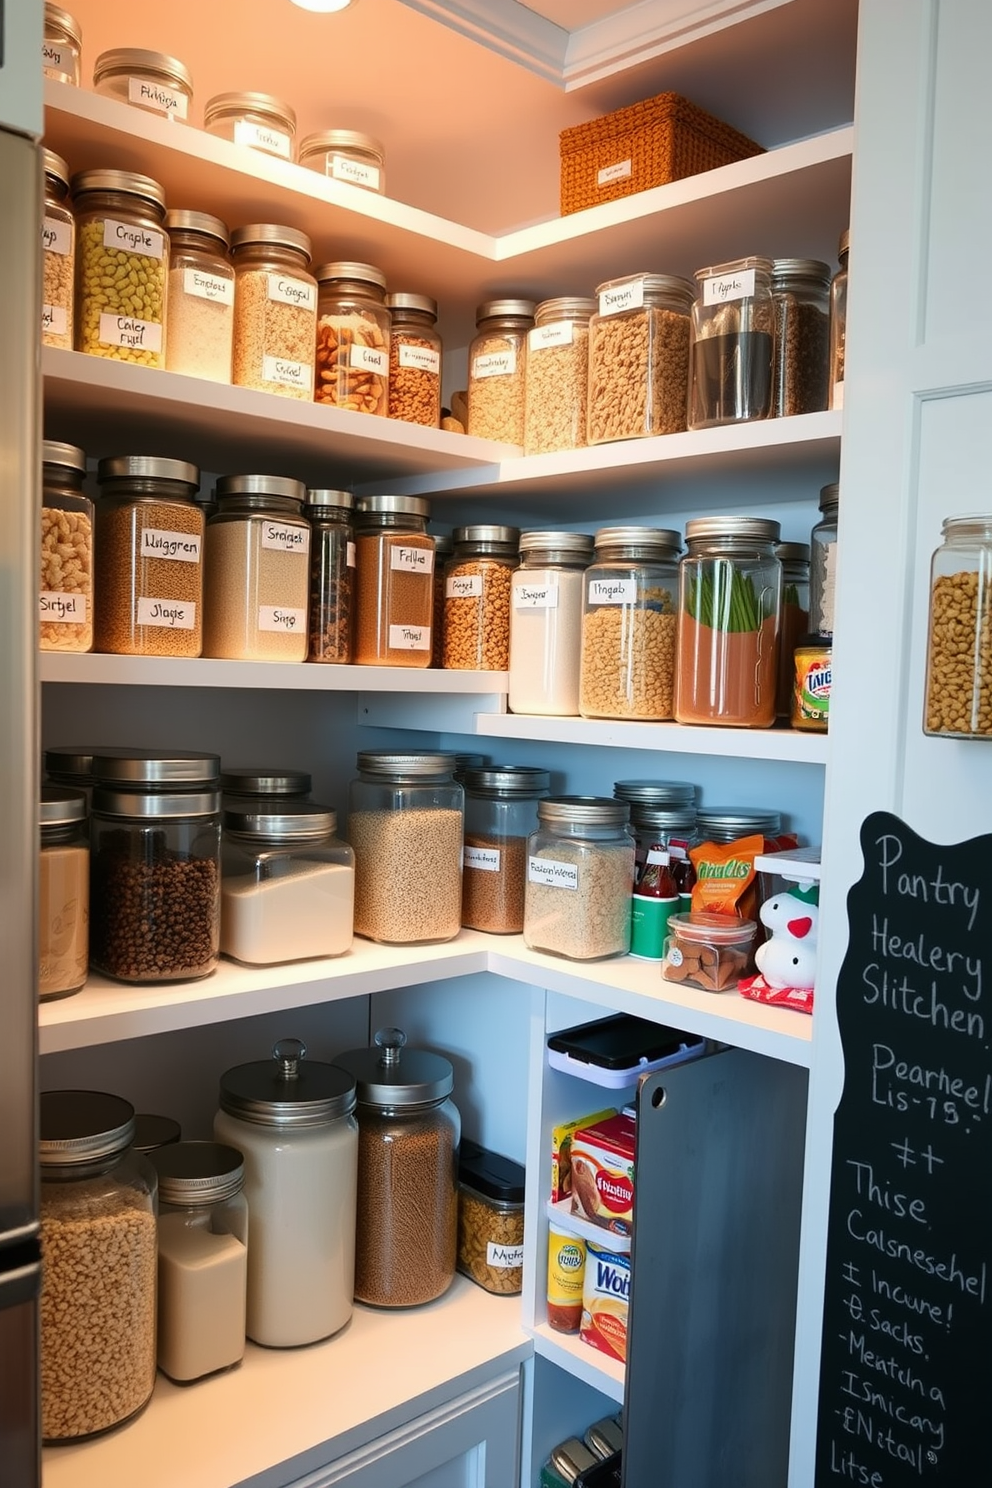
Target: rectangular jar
(395, 574)
(490, 1219)
(258, 556)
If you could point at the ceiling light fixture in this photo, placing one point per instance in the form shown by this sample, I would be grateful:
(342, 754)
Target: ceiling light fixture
(324, 7)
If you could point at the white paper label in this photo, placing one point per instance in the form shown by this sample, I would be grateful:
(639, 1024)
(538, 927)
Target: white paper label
(262, 137)
(409, 638)
(158, 543)
(287, 373)
(621, 297)
(484, 858)
(495, 364)
(675, 957)
(127, 238)
(158, 97)
(723, 287)
(56, 236)
(535, 597)
(282, 618)
(58, 60)
(612, 591)
(423, 358)
(838, 398)
(552, 874)
(504, 1257)
(208, 286)
(57, 607)
(411, 560)
(557, 333)
(613, 172)
(463, 586)
(350, 555)
(340, 168)
(124, 330)
(284, 538)
(168, 614)
(368, 359)
(288, 291)
(53, 320)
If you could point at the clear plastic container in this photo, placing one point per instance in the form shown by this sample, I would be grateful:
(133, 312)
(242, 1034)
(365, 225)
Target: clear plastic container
(629, 621)
(733, 344)
(58, 241)
(546, 622)
(65, 596)
(257, 120)
(580, 876)
(557, 376)
(201, 297)
(61, 46)
(497, 370)
(353, 324)
(122, 266)
(708, 951)
(258, 555)
(332, 574)
(395, 574)
(414, 360)
(153, 81)
(823, 564)
(63, 893)
(477, 598)
(795, 561)
(639, 357)
(801, 292)
(490, 1220)
(500, 814)
(959, 641)
(346, 155)
(838, 322)
(275, 310)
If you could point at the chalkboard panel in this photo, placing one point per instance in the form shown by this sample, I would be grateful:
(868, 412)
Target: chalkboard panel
(906, 1368)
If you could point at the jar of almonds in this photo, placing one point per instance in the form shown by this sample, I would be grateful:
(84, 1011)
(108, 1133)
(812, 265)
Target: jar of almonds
(353, 325)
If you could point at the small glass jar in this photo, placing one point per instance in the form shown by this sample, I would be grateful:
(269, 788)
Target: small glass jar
(730, 600)
(662, 811)
(332, 571)
(58, 242)
(257, 120)
(639, 357)
(201, 297)
(352, 338)
(580, 876)
(629, 620)
(63, 893)
(838, 322)
(155, 865)
(65, 596)
(406, 825)
(823, 564)
(202, 1258)
(149, 80)
(122, 266)
(732, 345)
(500, 814)
(801, 292)
(477, 599)
(258, 554)
(556, 382)
(408, 1135)
(959, 640)
(497, 370)
(275, 310)
(490, 1220)
(287, 883)
(795, 561)
(61, 46)
(97, 1311)
(346, 155)
(444, 547)
(395, 573)
(293, 1119)
(414, 360)
(546, 622)
(149, 574)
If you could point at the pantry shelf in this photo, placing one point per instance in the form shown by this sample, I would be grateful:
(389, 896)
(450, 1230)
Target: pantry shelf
(579, 1359)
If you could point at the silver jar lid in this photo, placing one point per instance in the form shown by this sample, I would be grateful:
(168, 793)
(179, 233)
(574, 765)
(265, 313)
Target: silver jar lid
(262, 780)
(792, 552)
(736, 266)
(665, 539)
(402, 300)
(350, 269)
(580, 543)
(260, 485)
(655, 286)
(412, 506)
(388, 763)
(129, 182)
(146, 806)
(192, 1174)
(507, 780)
(147, 467)
(155, 768)
(844, 244)
(656, 792)
(500, 309)
(342, 139)
(75, 760)
(738, 821)
(393, 1075)
(152, 1131)
(829, 495)
(486, 533)
(264, 104)
(66, 456)
(199, 222)
(785, 270)
(272, 232)
(280, 819)
(55, 166)
(56, 16)
(663, 818)
(287, 1090)
(754, 529)
(565, 307)
(324, 496)
(82, 1126)
(135, 59)
(60, 806)
(587, 811)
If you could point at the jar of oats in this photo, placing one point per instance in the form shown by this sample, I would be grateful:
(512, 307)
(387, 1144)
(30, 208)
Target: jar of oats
(557, 379)
(352, 338)
(258, 555)
(152, 81)
(477, 598)
(414, 360)
(61, 46)
(65, 598)
(258, 120)
(580, 876)
(395, 574)
(639, 357)
(629, 623)
(497, 370)
(201, 296)
(275, 310)
(346, 155)
(58, 242)
(122, 260)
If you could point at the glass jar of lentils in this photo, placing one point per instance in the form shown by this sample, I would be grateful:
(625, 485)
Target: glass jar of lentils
(580, 876)
(332, 571)
(629, 624)
(639, 357)
(414, 360)
(557, 378)
(477, 599)
(500, 814)
(58, 241)
(275, 310)
(801, 292)
(65, 596)
(258, 553)
(395, 574)
(497, 370)
(122, 264)
(352, 338)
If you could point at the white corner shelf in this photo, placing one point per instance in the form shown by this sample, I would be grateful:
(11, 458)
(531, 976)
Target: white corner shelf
(578, 1359)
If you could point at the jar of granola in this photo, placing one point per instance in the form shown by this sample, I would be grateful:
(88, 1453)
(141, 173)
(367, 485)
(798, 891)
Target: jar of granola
(557, 377)
(497, 368)
(352, 338)
(414, 360)
(275, 310)
(639, 357)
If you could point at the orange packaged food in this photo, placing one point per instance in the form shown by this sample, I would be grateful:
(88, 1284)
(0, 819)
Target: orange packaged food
(603, 1173)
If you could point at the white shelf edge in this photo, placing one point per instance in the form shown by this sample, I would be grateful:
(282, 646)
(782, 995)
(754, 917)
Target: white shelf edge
(569, 1353)
(785, 745)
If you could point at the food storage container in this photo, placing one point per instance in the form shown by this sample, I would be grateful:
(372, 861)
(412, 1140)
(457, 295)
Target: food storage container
(629, 620)
(556, 381)
(72, 766)
(258, 554)
(153, 81)
(813, 682)
(346, 155)
(257, 120)
(801, 294)
(444, 547)
(63, 893)
(97, 1310)
(838, 323)
(152, 1132)
(795, 561)
(58, 242)
(500, 814)
(122, 264)
(823, 564)
(959, 641)
(395, 575)
(639, 357)
(497, 370)
(65, 595)
(414, 360)
(266, 781)
(477, 598)
(352, 338)
(580, 874)
(728, 823)
(708, 951)
(732, 345)
(490, 1219)
(275, 310)
(332, 575)
(293, 1119)
(201, 296)
(61, 45)
(546, 622)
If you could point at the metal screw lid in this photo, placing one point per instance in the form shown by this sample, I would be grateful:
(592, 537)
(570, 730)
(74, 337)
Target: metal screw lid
(82, 1126)
(758, 529)
(737, 265)
(128, 59)
(656, 792)
(403, 300)
(55, 166)
(197, 1173)
(844, 245)
(444, 544)
(152, 1131)
(663, 818)
(498, 309)
(462, 762)
(321, 496)
(73, 760)
(200, 222)
(727, 822)
(792, 552)
(484, 533)
(348, 269)
(56, 16)
(829, 495)
(155, 767)
(566, 542)
(265, 104)
(260, 485)
(260, 780)
(565, 307)
(280, 819)
(119, 180)
(393, 1075)
(66, 456)
(342, 139)
(138, 805)
(147, 467)
(414, 506)
(489, 1174)
(665, 539)
(287, 1090)
(507, 780)
(784, 269)
(391, 763)
(60, 806)
(272, 232)
(590, 811)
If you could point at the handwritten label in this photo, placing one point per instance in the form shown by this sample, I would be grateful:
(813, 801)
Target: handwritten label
(167, 614)
(535, 597)
(57, 607)
(409, 638)
(555, 333)
(612, 591)
(124, 330)
(286, 373)
(486, 859)
(411, 560)
(340, 168)
(495, 363)
(282, 618)
(504, 1257)
(720, 288)
(54, 320)
(263, 137)
(350, 555)
(208, 286)
(622, 297)
(158, 543)
(463, 586)
(613, 172)
(288, 291)
(59, 61)
(552, 874)
(421, 358)
(157, 96)
(145, 242)
(283, 537)
(56, 237)
(368, 359)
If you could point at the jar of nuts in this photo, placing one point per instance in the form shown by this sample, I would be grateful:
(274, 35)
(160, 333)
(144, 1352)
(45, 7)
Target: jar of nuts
(395, 572)
(346, 155)
(629, 621)
(490, 1219)
(477, 599)
(122, 260)
(557, 378)
(500, 814)
(352, 338)
(275, 310)
(58, 242)
(639, 357)
(497, 370)
(332, 572)
(959, 641)
(257, 120)
(62, 44)
(414, 360)
(733, 344)
(65, 599)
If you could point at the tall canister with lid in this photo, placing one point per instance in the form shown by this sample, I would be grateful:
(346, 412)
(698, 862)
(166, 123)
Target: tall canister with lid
(546, 622)
(639, 357)
(501, 804)
(477, 598)
(823, 564)
(557, 377)
(258, 555)
(63, 893)
(497, 370)
(580, 876)
(801, 292)
(733, 344)
(201, 296)
(838, 322)
(414, 359)
(959, 639)
(332, 575)
(122, 266)
(629, 622)
(61, 46)
(65, 594)
(352, 369)
(293, 1120)
(395, 574)
(58, 242)
(275, 310)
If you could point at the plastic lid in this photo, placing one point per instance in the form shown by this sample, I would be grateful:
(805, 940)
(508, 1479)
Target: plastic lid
(656, 792)
(74, 760)
(507, 780)
(201, 222)
(260, 485)
(195, 1173)
(602, 811)
(324, 496)
(350, 269)
(60, 806)
(127, 59)
(829, 495)
(403, 300)
(280, 818)
(484, 533)
(413, 506)
(342, 139)
(265, 104)
(665, 539)
(272, 232)
(118, 180)
(147, 467)
(566, 542)
(390, 762)
(155, 767)
(82, 1126)
(67, 456)
(55, 166)
(393, 1075)
(714, 929)
(760, 529)
(493, 309)
(56, 16)
(260, 780)
(151, 1132)
(489, 1174)
(288, 1089)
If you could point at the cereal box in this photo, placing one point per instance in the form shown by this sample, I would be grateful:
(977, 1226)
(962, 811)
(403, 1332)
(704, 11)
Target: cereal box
(603, 1173)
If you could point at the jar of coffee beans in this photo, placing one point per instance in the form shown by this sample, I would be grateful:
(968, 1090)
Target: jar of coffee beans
(332, 573)
(801, 292)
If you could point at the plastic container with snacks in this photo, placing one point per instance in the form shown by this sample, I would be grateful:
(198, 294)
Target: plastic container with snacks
(629, 621)
(346, 155)
(63, 893)
(500, 814)
(58, 242)
(490, 1219)
(153, 81)
(257, 120)
(352, 369)
(557, 376)
(639, 357)
(65, 596)
(959, 641)
(477, 598)
(497, 370)
(580, 873)
(708, 951)
(332, 574)
(61, 45)
(258, 555)
(201, 297)
(838, 322)
(395, 576)
(794, 558)
(801, 292)
(275, 310)
(122, 266)
(546, 622)
(733, 344)
(414, 360)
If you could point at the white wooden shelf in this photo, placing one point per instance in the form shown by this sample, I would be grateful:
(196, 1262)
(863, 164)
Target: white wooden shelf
(784, 744)
(579, 1359)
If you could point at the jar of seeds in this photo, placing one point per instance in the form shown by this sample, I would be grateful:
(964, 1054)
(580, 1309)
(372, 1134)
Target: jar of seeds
(58, 242)
(557, 377)
(63, 893)
(629, 621)
(497, 370)
(733, 344)
(258, 120)
(65, 596)
(62, 44)
(332, 572)
(639, 357)
(801, 291)
(838, 323)
(201, 297)
(352, 338)
(275, 310)
(414, 360)
(959, 641)
(122, 262)
(346, 155)
(477, 598)
(258, 554)
(500, 814)
(580, 876)
(395, 572)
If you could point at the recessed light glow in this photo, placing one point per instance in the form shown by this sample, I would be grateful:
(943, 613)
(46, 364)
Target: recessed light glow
(325, 7)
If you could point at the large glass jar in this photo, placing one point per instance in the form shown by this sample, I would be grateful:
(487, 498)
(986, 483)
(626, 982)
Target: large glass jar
(58, 242)
(149, 574)
(639, 357)
(293, 1120)
(395, 574)
(352, 338)
(153, 81)
(408, 1135)
(801, 292)
(500, 814)
(795, 561)
(477, 599)
(332, 570)
(730, 598)
(729, 823)
(257, 120)
(61, 46)
(959, 641)
(258, 554)
(580, 876)
(98, 1266)
(346, 155)
(275, 310)
(414, 360)
(122, 264)
(72, 766)
(629, 620)
(201, 297)
(838, 322)
(405, 823)
(65, 596)
(155, 865)
(63, 893)
(546, 622)
(556, 382)
(732, 345)
(823, 564)
(497, 370)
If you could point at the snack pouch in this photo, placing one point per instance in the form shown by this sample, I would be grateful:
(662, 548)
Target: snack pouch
(726, 881)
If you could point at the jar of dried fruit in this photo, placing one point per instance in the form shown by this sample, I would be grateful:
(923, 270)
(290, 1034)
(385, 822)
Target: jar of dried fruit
(733, 344)
(500, 814)
(258, 554)
(639, 357)
(801, 292)
(395, 573)
(629, 620)
(275, 310)
(557, 378)
(959, 641)
(58, 242)
(414, 360)
(346, 155)
(61, 46)
(65, 598)
(497, 370)
(477, 598)
(122, 262)
(332, 571)
(258, 120)
(352, 338)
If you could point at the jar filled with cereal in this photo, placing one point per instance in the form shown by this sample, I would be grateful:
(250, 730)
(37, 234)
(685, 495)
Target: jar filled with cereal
(629, 623)
(959, 642)
(395, 572)
(490, 1219)
(414, 360)
(258, 553)
(201, 296)
(258, 120)
(152, 81)
(58, 242)
(352, 338)
(275, 310)
(122, 263)
(61, 45)
(65, 598)
(477, 598)
(639, 357)
(580, 876)
(346, 155)
(557, 377)
(497, 370)
(332, 573)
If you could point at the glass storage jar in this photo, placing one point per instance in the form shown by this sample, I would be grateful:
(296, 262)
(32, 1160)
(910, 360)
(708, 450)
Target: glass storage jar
(823, 564)
(266, 781)
(201, 297)
(500, 814)
(352, 338)
(444, 547)
(732, 344)
(408, 1135)
(72, 766)
(149, 80)
(346, 155)
(122, 265)
(65, 596)
(580, 876)
(795, 561)
(58, 242)
(546, 622)
(154, 865)
(725, 824)
(959, 639)
(63, 893)
(497, 370)
(639, 357)
(556, 382)
(838, 322)
(490, 1219)
(801, 293)
(662, 811)
(730, 598)
(98, 1250)
(293, 1119)
(257, 120)
(405, 823)
(149, 574)
(414, 360)
(275, 310)
(629, 619)
(258, 554)
(202, 1258)
(332, 572)
(477, 598)
(61, 45)
(395, 575)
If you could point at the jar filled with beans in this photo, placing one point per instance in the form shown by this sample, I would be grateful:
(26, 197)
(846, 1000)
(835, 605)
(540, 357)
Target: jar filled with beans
(275, 310)
(58, 242)
(959, 642)
(629, 624)
(497, 370)
(557, 380)
(258, 554)
(639, 357)
(352, 338)
(332, 572)
(61, 46)
(258, 120)
(500, 814)
(477, 599)
(65, 598)
(395, 573)
(122, 264)
(414, 360)
(346, 155)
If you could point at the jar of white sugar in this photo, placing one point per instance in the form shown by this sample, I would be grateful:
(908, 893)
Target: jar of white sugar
(580, 876)
(201, 297)
(258, 557)
(546, 622)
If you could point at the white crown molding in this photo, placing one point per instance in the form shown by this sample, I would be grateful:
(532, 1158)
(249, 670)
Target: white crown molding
(505, 27)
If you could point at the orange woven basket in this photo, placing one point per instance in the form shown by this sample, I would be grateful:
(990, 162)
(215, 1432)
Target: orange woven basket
(650, 143)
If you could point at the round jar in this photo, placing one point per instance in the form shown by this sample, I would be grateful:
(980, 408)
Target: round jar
(264, 781)
(63, 893)
(838, 323)
(662, 812)
(414, 360)
(332, 570)
(580, 876)
(65, 596)
(794, 558)
(71, 766)
(352, 338)
(801, 292)
(497, 370)
(629, 620)
(61, 46)
(732, 345)
(275, 310)
(287, 883)
(149, 575)
(258, 553)
(155, 865)
(546, 622)
(346, 155)
(639, 357)
(490, 1220)
(405, 823)
(293, 1120)
(730, 598)
(477, 599)
(149, 80)
(201, 296)
(557, 376)
(500, 814)
(58, 242)
(395, 572)
(959, 639)
(408, 1135)
(257, 120)
(122, 264)
(823, 564)
(725, 824)
(98, 1250)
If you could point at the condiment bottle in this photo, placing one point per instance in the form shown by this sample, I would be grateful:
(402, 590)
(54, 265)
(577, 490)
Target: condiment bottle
(63, 893)
(838, 322)
(546, 622)
(346, 155)
(62, 44)
(500, 814)
(557, 376)
(332, 573)
(201, 297)
(395, 573)
(65, 595)
(733, 342)
(497, 370)
(58, 241)
(477, 598)
(258, 554)
(353, 324)
(152, 81)
(258, 120)
(122, 264)
(414, 360)
(655, 899)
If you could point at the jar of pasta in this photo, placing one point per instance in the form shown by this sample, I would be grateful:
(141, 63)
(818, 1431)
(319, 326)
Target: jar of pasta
(557, 376)
(153, 81)
(477, 599)
(275, 310)
(352, 338)
(629, 620)
(257, 120)
(639, 357)
(58, 242)
(122, 261)
(497, 370)
(201, 296)
(65, 597)
(395, 573)
(61, 46)
(258, 554)
(414, 360)
(346, 155)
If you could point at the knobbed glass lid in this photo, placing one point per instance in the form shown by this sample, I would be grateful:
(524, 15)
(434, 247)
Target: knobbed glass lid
(287, 1090)
(82, 1126)
(393, 1075)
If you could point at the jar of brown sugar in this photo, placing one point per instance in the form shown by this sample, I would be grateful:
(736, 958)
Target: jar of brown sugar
(258, 555)
(500, 814)
(65, 597)
(395, 573)
(497, 370)
(414, 360)
(352, 338)
(275, 310)
(63, 893)
(639, 357)
(58, 241)
(477, 598)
